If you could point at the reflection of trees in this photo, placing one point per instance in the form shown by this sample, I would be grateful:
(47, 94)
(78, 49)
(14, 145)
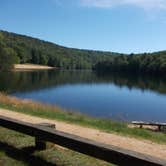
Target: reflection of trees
(27, 81)
(143, 82)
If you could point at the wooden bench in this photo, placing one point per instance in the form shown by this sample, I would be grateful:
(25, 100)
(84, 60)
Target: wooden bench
(109, 153)
(141, 124)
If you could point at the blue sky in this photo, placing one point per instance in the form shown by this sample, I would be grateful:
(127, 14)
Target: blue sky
(114, 25)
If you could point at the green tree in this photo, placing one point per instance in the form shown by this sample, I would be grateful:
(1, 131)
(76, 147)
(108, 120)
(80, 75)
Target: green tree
(7, 56)
(43, 59)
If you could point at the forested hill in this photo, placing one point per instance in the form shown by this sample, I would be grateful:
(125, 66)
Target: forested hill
(32, 50)
(15, 48)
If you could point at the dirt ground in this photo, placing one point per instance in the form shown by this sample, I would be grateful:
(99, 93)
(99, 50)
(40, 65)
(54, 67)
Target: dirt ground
(138, 145)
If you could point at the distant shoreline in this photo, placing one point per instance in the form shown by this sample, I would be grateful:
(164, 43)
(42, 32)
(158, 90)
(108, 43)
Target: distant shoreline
(21, 67)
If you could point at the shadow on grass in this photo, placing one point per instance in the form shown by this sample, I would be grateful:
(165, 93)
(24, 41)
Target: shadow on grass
(24, 155)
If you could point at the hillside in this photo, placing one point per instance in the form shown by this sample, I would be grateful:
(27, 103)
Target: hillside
(24, 49)
(32, 50)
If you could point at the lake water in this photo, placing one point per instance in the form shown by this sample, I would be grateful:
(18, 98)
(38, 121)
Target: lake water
(119, 97)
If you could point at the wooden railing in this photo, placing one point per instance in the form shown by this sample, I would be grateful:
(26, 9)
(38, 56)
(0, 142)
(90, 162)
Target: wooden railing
(98, 150)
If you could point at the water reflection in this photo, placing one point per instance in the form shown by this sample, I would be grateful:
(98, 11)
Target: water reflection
(117, 96)
(33, 80)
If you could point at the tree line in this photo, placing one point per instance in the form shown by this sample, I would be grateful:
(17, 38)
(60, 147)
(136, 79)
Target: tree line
(152, 63)
(32, 50)
(15, 48)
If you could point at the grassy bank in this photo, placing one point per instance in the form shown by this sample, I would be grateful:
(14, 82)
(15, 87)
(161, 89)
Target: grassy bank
(18, 150)
(47, 111)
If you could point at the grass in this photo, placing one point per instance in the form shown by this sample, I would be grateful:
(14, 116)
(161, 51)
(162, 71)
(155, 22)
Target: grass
(18, 150)
(52, 112)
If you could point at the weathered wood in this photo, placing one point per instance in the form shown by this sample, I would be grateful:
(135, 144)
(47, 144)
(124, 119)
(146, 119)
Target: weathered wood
(141, 124)
(41, 144)
(105, 152)
(148, 123)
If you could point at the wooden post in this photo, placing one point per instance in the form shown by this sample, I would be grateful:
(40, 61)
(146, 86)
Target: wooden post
(159, 127)
(40, 144)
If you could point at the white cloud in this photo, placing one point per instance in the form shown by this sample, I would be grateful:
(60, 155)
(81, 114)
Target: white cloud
(147, 4)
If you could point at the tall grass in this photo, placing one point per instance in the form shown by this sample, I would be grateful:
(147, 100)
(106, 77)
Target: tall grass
(52, 112)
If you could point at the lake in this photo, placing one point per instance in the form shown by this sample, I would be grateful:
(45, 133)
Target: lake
(116, 96)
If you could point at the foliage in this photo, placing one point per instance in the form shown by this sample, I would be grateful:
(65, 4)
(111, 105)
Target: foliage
(31, 50)
(7, 55)
(154, 63)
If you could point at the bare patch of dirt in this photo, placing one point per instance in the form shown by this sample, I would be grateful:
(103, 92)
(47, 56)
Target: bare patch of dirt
(31, 67)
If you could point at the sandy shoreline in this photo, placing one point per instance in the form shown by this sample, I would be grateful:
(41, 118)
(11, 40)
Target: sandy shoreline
(22, 67)
(141, 146)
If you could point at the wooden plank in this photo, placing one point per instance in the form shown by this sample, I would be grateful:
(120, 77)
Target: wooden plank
(148, 123)
(41, 144)
(98, 150)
